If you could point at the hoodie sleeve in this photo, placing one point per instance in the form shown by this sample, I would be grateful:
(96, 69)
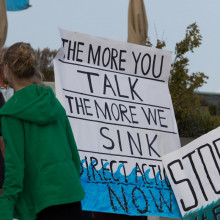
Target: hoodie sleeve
(73, 147)
(13, 136)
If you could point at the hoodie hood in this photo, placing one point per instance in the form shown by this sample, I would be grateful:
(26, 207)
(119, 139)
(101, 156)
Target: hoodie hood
(35, 104)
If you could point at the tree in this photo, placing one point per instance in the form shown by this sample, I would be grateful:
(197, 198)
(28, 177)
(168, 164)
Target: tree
(45, 58)
(183, 85)
(191, 119)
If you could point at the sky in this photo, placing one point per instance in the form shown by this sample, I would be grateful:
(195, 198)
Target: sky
(39, 25)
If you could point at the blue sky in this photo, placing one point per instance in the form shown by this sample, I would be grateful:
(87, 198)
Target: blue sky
(108, 18)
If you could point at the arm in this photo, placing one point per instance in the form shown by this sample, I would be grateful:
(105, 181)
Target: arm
(73, 147)
(13, 136)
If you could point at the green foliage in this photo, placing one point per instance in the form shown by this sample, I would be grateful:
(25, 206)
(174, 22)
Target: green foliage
(212, 109)
(192, 120)
(160, 44)
(183, 85)
(45, 58)
(198, 123)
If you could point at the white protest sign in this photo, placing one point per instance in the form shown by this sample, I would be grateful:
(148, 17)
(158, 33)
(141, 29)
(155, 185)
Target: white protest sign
(117, 99)
(194, 173)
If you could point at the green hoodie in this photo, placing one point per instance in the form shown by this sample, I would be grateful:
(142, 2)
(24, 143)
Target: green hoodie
(42, 163)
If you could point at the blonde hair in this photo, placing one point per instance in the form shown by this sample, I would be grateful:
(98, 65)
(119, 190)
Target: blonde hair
(22, 62)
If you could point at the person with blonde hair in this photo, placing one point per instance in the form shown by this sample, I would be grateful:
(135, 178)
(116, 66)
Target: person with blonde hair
(42, 164)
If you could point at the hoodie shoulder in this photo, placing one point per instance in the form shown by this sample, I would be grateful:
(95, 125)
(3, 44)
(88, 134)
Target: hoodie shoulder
(34, 103)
